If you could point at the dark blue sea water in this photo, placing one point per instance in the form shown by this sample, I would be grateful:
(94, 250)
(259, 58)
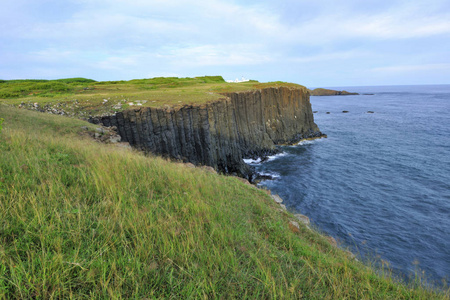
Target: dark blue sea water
(380, 182)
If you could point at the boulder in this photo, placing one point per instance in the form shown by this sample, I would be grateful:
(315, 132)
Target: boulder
(277, 199)
(302, 219)
(294, 226)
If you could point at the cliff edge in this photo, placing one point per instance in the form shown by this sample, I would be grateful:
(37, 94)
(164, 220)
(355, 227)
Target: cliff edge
(223, 132)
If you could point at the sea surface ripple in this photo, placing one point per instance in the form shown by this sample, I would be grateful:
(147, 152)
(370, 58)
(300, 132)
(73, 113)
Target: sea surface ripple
(380, 182)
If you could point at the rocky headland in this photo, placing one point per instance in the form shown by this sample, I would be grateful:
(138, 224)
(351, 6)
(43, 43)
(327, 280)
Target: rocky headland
(203, 120)
(245, 124)
(328, 92)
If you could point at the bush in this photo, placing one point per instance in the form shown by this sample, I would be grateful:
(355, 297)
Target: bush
(8, 94)
(211, 79)
(76, 80)
(1, 122)
(20, 88)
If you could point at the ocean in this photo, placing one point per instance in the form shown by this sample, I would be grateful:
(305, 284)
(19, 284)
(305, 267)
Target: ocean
(380, 182)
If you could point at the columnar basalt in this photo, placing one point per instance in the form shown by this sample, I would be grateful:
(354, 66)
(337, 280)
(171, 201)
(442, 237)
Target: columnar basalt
(221, 133)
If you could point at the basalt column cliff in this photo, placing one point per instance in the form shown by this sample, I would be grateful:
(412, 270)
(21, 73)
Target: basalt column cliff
(221, 133)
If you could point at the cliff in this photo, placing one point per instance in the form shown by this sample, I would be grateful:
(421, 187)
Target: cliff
(223, 132)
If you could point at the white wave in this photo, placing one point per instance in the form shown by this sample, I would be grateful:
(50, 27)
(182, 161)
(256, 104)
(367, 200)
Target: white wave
(250, 161)
(273, 157)
(271, 174)
(305, 142)
(308, 142)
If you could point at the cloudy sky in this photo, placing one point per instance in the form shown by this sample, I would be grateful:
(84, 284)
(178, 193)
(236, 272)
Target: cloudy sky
(314, 43)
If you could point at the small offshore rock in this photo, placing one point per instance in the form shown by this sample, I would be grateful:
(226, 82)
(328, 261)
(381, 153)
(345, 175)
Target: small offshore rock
(370, 112)
(328, 112)
(345, 111)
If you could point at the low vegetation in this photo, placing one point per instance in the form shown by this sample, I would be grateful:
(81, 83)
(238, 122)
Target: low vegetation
(81, 219)
(85, 97)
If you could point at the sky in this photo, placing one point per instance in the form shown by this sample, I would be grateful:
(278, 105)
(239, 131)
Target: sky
(322, 43)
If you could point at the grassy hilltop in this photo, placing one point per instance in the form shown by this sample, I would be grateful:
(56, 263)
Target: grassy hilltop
(82, 219)
(83, 97)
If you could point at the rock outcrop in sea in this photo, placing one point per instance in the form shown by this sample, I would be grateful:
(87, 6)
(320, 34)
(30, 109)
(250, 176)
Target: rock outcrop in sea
(328, 92)
(221, 133)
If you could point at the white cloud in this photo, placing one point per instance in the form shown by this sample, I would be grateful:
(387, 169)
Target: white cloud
(117, 63)
(332, 56)
(52, 55)
(412, 68)
(193, 36)
(217, 55)
(325, 30)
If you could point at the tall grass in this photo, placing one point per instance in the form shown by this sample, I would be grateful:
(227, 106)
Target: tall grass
(79, 219)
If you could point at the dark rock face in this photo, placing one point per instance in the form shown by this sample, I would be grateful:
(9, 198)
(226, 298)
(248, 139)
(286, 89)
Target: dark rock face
(220, 134)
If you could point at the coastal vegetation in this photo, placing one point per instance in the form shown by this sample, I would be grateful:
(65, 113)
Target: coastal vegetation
(82, 97)
(83, 219)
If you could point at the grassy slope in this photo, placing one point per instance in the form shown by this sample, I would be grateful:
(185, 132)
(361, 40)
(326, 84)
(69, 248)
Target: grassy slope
(84, 97)
(82, 219)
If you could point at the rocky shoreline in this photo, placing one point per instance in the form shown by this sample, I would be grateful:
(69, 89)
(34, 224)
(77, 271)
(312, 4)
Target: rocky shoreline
(328, 92)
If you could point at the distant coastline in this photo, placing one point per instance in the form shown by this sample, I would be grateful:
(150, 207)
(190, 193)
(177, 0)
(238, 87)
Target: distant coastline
(329, 92)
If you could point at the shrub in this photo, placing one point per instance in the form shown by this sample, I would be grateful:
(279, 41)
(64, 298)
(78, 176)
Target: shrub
(76, 80)
(9, 94)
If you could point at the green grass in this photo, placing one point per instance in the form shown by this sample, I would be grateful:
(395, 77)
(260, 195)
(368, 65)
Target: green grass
(84, 97)
(80, 219)
(41, 88)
